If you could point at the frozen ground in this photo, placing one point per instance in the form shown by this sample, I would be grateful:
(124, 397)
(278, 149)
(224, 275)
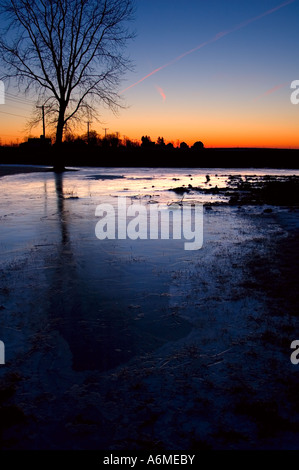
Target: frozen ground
(122, 344)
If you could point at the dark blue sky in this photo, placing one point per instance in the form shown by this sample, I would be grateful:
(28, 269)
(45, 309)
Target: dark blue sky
(222, 83)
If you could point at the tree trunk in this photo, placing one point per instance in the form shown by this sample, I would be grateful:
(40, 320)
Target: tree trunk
(58, 151)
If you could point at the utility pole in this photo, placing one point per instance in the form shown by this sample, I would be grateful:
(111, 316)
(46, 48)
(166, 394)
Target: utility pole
(105, 129)
(44, 125)
(88, 122)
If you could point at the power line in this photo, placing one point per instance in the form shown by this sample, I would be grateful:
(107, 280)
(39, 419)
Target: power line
(20, 106)
(20, 101)
(15, 102)
(11, 114)
(18, 98)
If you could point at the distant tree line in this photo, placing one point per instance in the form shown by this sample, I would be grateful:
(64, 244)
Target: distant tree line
(110, 141)
(113, 140)
(91, 149)
(146, 142)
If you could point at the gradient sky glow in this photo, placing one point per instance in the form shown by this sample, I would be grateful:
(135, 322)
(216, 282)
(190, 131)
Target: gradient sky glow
(217, 71)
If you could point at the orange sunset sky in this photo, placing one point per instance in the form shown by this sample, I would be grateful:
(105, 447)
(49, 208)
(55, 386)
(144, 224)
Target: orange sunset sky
(215, 72)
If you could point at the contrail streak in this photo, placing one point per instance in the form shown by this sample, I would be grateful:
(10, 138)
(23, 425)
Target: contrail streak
(210, 41)
(161, 91)
(272, 90)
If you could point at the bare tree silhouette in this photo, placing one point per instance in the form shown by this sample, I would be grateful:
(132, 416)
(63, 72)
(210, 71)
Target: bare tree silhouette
(70, 52)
